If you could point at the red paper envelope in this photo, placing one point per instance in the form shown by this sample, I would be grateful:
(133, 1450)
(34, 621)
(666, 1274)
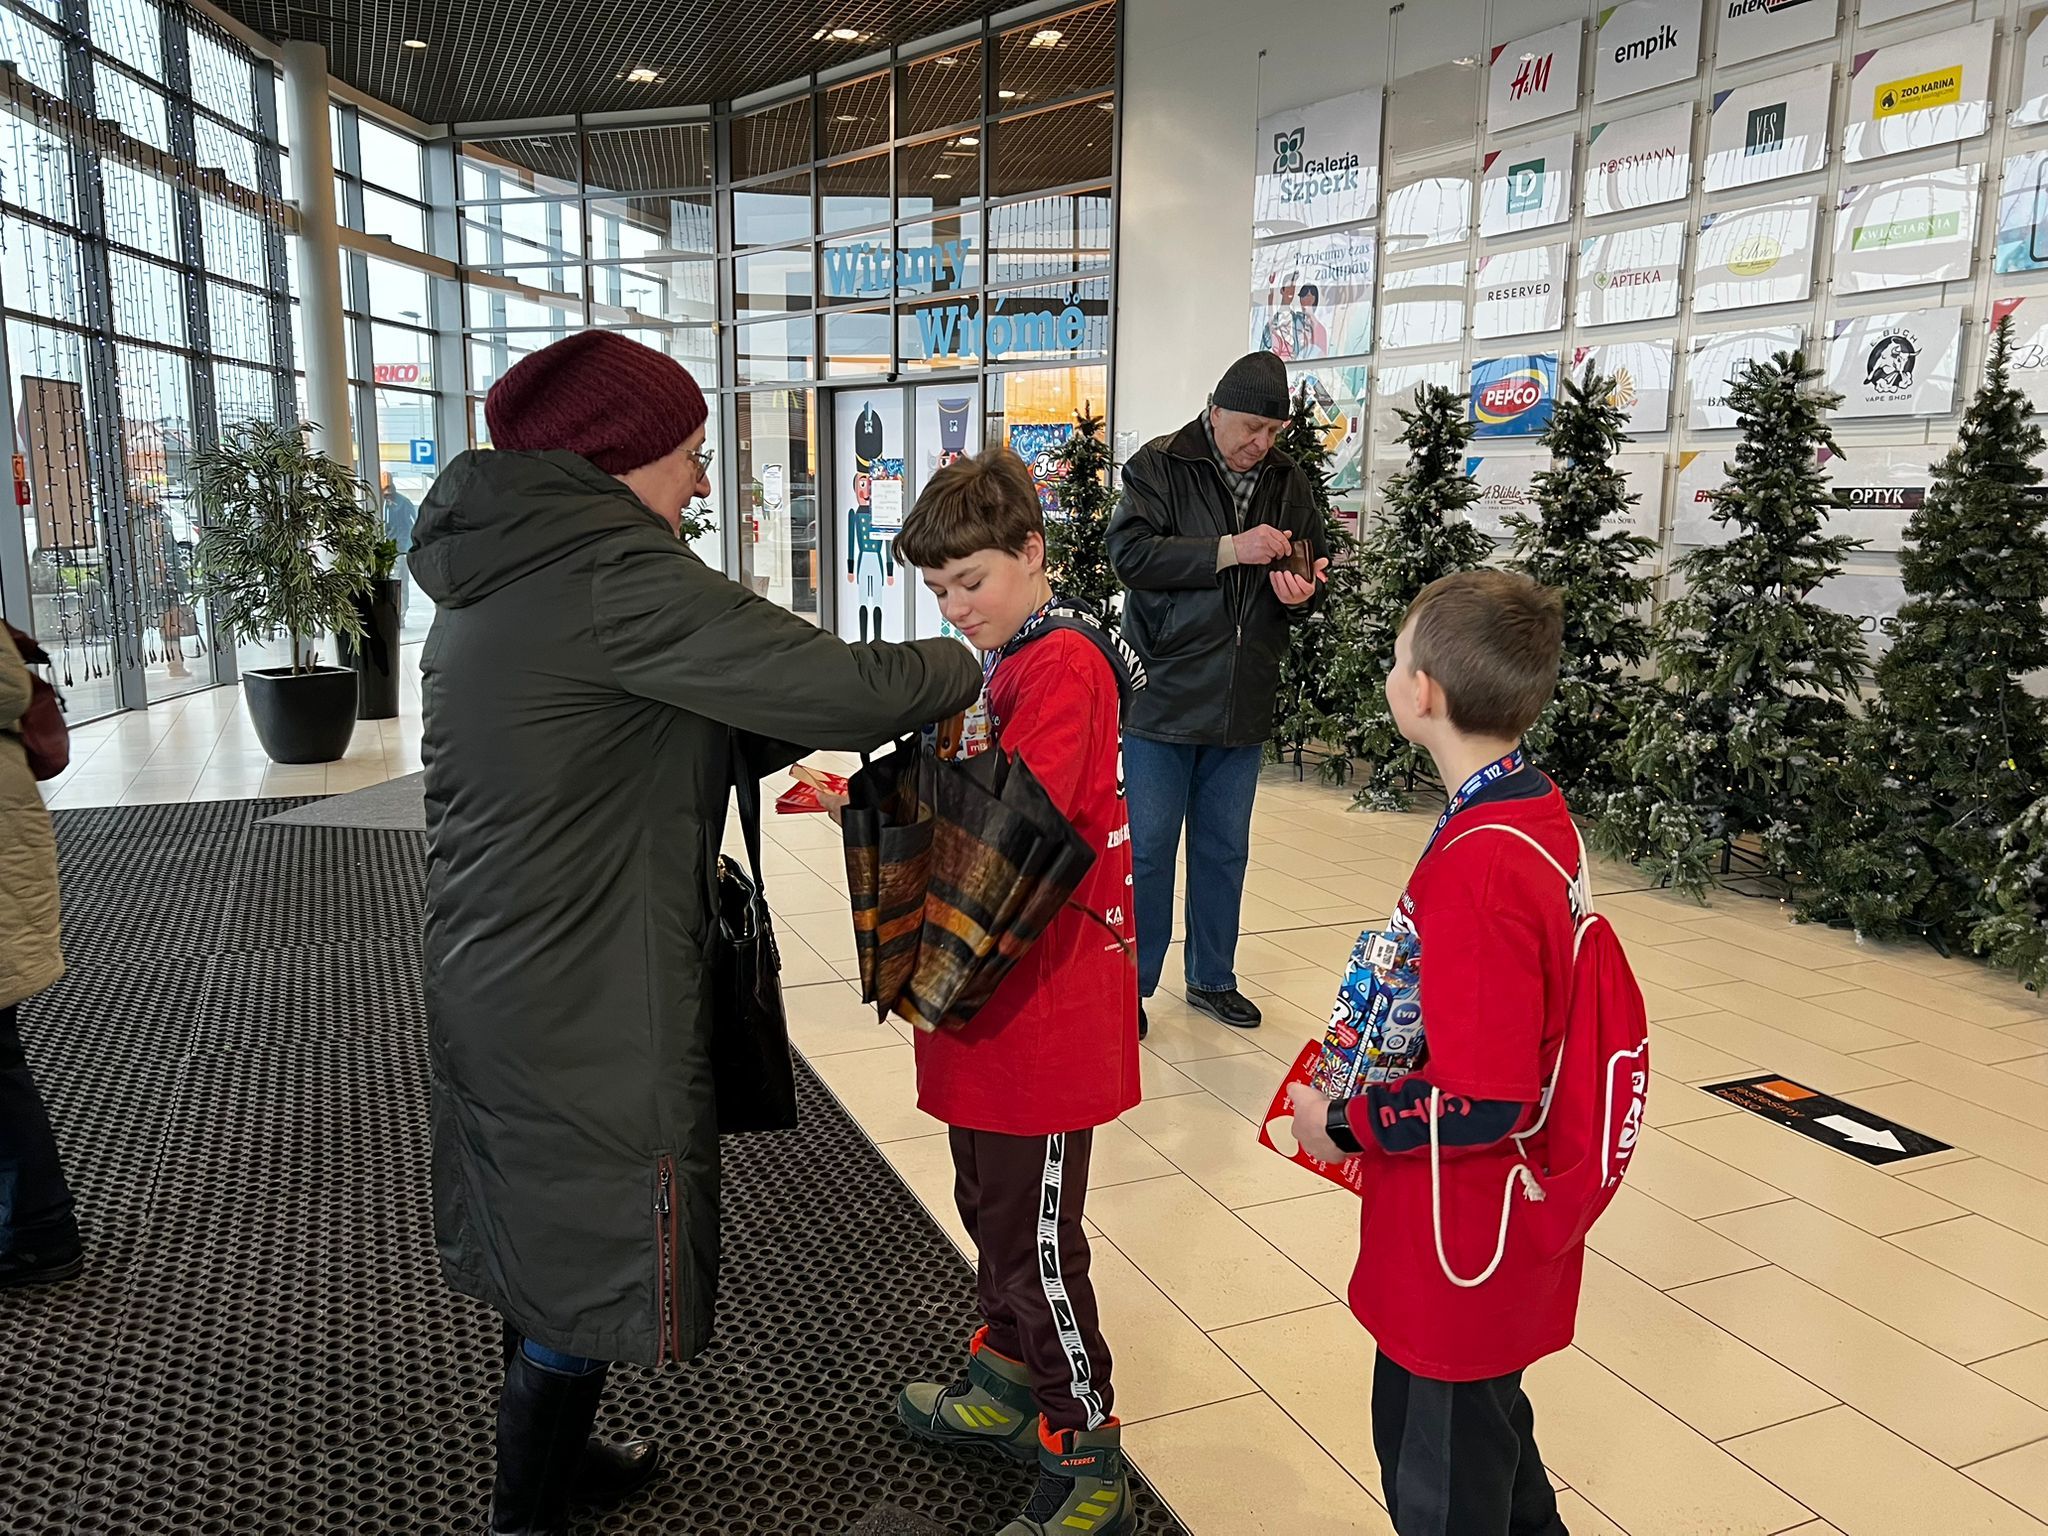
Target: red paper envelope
(803, 795)
(1349, 1174)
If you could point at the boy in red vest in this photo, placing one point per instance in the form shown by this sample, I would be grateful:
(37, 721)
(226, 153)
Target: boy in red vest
(1462, 1004)
(1055, 1052)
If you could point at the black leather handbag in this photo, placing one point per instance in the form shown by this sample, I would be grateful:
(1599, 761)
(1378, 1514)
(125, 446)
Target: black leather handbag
(750, 1060)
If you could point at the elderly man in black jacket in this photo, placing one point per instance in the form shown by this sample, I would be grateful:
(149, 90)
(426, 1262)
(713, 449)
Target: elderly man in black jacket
(1219, 542)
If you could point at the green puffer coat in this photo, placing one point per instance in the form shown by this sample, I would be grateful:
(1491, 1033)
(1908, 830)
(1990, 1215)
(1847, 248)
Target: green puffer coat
(588, 684)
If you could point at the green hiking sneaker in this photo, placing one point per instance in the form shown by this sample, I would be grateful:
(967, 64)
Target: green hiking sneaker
(1081, 1486)
(991, 1405)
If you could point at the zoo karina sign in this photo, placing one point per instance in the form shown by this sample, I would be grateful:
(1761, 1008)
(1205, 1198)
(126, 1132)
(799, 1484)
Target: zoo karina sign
(1318, 165)
(1896, 365)
(1514, 396)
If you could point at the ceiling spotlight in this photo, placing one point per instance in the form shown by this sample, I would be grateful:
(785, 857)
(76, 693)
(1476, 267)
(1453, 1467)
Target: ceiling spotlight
(839, 35)
(1468, 62)
(942, 175)
(413, 42)
(642, 75)
(967, 140)
(846, 117)
(1047, 37)
(1007, 95)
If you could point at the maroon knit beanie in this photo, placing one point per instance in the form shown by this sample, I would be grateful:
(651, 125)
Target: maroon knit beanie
(599, 394)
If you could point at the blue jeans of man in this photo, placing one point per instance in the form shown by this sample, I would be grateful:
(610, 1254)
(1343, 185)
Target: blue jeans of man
(36, 1211)
(1206, 792)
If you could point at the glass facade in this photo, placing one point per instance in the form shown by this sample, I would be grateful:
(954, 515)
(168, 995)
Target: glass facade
(941, 216)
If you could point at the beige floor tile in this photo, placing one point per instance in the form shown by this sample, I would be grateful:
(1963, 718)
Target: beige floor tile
(1912, 983)
(1814, 1528)
(1758, 969)
(1684, 1059)
(1642, 1467)
(1991, 1257)
(1638, 928)
(925, 1164)
(2009, 1198)
(1374, 895)
(1582, 1519)
(1664, 1004)
(801, 895)
(879, 1089)
(1244, 1468)
(1830, 1180)
(1692, 1183)
(1869, 1482)
(1211, 1265)
(1706, 1376)
(830, 1018)
(2033, 1068)
(1311, 990)
(1179, 1034)
(1785, 1054)
(803, 966)
(2033, 1035)
(1351, 915)
(1946, 1409)
(829, 933)
(1656, 1244)
(1916, 1021)
(1161, 1080)
(1121, 1156)
(1266, 960)
(1822, 1022)
(1668, 968)
(1318, 1232)
(1164, 1363)
(1814, 948)
(1327, 948)
(2024, 1371)
(1941, 1309)
(1961, 1124)
(1988, 1087)
(1246, 1083)
(2020, 1477)
(1318, 1367)
(1280, 888)
(1218, 1148)
(1675, 1103)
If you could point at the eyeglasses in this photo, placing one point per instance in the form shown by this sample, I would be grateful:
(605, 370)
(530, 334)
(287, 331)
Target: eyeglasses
(703, 457)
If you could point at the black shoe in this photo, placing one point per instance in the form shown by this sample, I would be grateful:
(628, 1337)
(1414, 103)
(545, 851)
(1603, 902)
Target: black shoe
(1232, 1008)
(1144, 1024)
(46, 1264)
(544, 1421)
(612, 1471)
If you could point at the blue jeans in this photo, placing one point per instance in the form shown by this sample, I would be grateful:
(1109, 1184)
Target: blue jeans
(36, 1212)
(1209, 791)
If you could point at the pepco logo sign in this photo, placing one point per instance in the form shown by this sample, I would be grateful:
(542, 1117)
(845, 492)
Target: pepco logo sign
(1507, 398)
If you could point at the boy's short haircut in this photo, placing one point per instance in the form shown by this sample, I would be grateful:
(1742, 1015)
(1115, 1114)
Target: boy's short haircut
(1490, 640)
(987, 502)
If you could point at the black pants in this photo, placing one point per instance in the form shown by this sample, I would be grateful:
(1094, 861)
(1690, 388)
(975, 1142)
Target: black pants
(1460, 1458)
(1021, 1198)
(35, 1203)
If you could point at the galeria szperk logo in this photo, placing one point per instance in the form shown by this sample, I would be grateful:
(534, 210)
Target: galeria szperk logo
(1319, 178)
(1287, 151)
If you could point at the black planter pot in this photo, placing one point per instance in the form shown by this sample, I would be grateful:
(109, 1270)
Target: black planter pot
(304, 719)
(376, 660)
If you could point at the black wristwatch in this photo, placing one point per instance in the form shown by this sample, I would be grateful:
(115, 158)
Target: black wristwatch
(1338, 1126)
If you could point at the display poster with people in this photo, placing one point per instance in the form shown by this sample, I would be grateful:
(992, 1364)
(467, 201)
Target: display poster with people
(868, 493)
(948, 429)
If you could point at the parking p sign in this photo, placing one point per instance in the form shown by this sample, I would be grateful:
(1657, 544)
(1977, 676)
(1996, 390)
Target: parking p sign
(423, 452)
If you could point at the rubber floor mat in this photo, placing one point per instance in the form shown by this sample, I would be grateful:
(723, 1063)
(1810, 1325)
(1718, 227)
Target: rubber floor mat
(261, 1342)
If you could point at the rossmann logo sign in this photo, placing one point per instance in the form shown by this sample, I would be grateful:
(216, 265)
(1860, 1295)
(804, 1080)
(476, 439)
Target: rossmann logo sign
(1514, 396)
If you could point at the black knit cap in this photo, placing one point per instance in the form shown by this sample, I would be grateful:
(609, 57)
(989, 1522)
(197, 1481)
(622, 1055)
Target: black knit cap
(1255, 384)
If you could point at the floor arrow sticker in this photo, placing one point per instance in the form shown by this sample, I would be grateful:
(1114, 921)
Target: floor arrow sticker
(1861, 1133)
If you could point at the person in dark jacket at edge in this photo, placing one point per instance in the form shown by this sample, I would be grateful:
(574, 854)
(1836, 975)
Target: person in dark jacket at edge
(592, 690)
(1201, 541)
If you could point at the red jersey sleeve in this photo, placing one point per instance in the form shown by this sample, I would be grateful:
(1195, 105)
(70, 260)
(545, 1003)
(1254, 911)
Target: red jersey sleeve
(1050, 711)
(1483, 997)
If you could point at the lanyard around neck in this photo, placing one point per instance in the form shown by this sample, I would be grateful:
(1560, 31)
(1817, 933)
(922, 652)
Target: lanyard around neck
(1491, 774)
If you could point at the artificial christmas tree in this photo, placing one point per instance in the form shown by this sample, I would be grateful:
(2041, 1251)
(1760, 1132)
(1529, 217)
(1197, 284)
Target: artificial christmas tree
(2015, 934)
(1953, 747)
(1755, 673)
(1420, 534)
(1076, 558)
(1307, 712)
(1576, 544)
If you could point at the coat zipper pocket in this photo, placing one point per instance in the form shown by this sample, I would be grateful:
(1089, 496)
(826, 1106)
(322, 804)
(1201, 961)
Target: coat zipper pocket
(671, 1319)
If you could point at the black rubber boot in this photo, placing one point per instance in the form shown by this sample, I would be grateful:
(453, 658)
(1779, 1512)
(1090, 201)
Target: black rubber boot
(544, 1421)
(609, 1471)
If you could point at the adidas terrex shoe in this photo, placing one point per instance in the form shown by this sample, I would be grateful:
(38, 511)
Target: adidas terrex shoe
(1081, 1486)
(991, 1405)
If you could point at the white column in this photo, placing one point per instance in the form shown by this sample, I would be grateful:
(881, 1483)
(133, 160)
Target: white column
(320, 296)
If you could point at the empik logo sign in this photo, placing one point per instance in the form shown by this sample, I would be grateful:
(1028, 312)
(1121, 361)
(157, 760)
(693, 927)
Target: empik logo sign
(1644, 49)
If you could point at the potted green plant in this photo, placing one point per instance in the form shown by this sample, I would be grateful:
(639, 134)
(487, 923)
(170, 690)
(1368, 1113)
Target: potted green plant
(375, 658)
(288, 542)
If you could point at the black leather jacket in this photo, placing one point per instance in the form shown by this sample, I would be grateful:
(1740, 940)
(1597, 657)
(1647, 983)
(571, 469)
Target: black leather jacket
(1211, 641)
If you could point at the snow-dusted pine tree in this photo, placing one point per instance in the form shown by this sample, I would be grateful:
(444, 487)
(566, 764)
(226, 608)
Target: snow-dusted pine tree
(1755, 673)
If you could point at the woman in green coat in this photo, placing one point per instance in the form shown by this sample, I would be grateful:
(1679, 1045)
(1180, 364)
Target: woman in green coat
(591, 692)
